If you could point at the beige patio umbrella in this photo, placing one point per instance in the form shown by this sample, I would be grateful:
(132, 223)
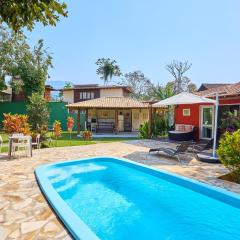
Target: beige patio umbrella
(189, 98)
(183, 98)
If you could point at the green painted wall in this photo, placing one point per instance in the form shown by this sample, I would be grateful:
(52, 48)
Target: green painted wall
(57, 110)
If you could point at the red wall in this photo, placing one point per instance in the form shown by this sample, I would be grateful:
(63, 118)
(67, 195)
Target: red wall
(194, 118)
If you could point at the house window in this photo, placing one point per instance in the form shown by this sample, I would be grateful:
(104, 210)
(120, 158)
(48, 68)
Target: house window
(88, 95)
(186, 112)
(84, 95)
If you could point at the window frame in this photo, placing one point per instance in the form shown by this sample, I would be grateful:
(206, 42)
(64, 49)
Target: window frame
(186, 112)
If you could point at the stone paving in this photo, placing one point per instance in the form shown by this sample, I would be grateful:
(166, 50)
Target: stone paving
(25, 214)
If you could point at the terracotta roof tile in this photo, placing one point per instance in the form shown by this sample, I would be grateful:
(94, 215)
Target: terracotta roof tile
(110, 102)
(226, 90)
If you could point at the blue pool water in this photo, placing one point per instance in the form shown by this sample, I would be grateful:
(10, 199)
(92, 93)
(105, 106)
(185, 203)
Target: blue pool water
(120, 202)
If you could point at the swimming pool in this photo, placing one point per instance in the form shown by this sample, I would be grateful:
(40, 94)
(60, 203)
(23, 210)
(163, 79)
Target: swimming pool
(109, 198)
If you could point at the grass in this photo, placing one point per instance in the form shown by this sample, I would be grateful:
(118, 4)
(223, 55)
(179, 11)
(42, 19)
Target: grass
(64, 140)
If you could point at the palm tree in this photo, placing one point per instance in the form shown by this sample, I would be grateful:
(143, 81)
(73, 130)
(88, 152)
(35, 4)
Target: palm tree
(107, 68)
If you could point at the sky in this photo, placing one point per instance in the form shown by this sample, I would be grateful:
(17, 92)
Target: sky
(145, 35)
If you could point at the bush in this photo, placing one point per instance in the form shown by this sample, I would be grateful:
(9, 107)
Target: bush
(38, 113)
(160, 126)
(230, 122)
(16, 123)
(143, 131)
(87, 135)
(229, 153)
(57, 130)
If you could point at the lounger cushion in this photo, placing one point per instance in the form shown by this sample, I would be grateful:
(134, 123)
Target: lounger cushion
(176, 132)
(188, 128)
(179, 127)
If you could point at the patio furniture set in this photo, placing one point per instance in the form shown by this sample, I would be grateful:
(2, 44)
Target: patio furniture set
(21, 143)
(184, 148)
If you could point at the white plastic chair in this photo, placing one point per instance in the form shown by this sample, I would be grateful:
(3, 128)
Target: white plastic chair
(37, 142)
(22, 144)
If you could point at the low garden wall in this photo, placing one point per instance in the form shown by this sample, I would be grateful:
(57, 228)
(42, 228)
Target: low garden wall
(57, 111)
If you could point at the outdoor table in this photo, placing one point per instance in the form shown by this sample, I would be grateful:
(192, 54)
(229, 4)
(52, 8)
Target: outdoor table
(17, 138)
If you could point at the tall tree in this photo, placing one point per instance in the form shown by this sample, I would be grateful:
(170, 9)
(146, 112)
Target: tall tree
(107, 68)
(181, 82)
(27, 68)
(25, 13)
(11, 46)
(30, 69)
(139, 83)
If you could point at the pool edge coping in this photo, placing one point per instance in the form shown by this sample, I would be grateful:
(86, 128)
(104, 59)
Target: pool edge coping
(82, 231)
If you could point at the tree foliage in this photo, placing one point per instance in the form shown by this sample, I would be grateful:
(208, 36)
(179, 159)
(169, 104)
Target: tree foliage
(160, 92)
(27, 68)
(230, 122)
(25, 13)
(11, 48)
(181, 82)
(31, 68)
(38, 112)
(107, 68)
(139, 83)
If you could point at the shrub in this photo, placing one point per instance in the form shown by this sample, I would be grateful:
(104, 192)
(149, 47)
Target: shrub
(57, 130)
(70, 125)
(229, 153)
(38, 113)
(87, 135)
(230, 122)
(143, 130)
(16, 123)
(159, 126)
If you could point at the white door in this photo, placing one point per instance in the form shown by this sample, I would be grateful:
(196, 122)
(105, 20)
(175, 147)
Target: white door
(207, 122)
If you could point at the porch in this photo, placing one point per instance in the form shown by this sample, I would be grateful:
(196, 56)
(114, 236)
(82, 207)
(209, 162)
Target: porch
(118, 135)
(112, 115)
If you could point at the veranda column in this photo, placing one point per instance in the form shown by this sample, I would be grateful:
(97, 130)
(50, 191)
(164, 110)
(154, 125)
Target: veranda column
(78, 121)
(86, 122)
(116, 121)
(150, 121)
(154, 115)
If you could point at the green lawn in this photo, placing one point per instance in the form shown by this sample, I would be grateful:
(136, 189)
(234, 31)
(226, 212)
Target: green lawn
(64, 140)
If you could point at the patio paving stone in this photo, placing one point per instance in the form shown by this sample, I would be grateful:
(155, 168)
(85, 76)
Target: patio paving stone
(24, 212)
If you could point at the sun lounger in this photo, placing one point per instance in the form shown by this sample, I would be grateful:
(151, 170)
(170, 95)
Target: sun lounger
(180, 149)
(197, 148)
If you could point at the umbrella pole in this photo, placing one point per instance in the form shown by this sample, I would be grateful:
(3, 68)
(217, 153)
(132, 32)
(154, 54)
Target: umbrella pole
(215, 126)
